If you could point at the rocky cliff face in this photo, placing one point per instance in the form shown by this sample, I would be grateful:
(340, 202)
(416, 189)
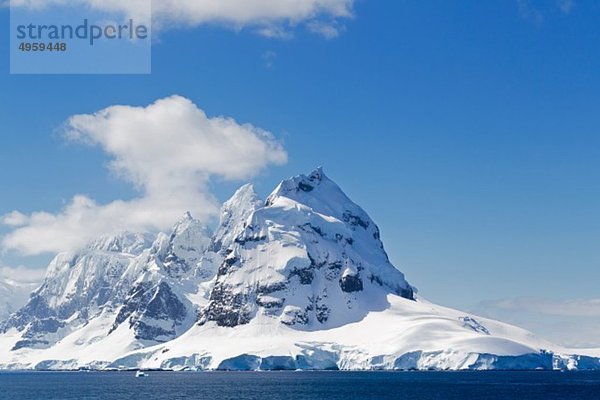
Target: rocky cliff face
(76, 288)
(157, 306)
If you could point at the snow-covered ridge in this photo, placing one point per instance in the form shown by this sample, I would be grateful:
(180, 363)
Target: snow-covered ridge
(299, 281)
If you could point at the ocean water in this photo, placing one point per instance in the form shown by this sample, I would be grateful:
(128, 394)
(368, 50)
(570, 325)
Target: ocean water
(300, 385)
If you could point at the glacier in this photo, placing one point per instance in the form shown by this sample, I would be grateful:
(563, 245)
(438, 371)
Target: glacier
(300, 280)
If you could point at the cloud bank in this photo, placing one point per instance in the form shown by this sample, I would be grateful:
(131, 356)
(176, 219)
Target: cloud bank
(575, 308)
(169, 151)
(572, 323)
(267, 17)
(531, 10)
(21, 275)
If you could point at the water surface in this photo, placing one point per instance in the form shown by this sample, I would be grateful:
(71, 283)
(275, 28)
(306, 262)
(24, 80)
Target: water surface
(300, 385)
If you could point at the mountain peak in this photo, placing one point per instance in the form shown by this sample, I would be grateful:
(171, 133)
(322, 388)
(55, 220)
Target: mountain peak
(187, 216)
(244, 197)
(183, 249)
(234, 213)
(317, 174)
(244, 190)
(310, 258)
(188, 222)
(121, 242)
(301, 184)
(324, 196)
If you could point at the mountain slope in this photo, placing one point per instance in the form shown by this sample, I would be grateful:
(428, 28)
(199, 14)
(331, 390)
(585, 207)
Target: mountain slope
(299, 281)
(407, 335)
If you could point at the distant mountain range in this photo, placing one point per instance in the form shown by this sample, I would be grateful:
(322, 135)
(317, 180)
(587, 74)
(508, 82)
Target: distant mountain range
(300, 280)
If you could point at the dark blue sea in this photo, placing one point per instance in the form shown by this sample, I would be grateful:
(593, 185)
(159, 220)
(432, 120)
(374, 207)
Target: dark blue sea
(300, 385)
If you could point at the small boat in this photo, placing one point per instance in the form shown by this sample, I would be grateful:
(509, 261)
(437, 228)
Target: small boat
(141, 374)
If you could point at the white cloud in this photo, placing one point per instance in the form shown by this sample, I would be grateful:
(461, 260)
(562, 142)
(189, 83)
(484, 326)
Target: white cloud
(273, 31)
(329, 30)
(21, 275)
(14, 219)
(566, 6)
(169, 150)
(267, 15)
(578, 308)
(528, 11)
(572, 323)
(269, 58)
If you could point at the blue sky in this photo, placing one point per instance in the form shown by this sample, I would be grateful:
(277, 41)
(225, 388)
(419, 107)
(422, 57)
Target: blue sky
(469, 132)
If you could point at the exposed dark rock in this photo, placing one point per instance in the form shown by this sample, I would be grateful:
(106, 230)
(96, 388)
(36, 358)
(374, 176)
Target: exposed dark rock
(230, 261)
(134, 301)
(35, 330)
(249, 239)
(296, 317)
(174, 265)
(314, 264)
(407, 293)
(322, 311)
(351, 283)
(227, 264)
(355, 220)
(315, 229)
(153, 333)
(46, 325)
(30, 343)
(226, 308)
(269, 302)
(306, 275)
(36, 308)
(305, 187)
(271, 288)
(333, 270)
(472, 323)
(376, 279)
(147, 303)
(377, 234)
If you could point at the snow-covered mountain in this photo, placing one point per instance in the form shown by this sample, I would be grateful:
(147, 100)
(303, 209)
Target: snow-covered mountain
(299, 281)
(125, 288)
(310, 258)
